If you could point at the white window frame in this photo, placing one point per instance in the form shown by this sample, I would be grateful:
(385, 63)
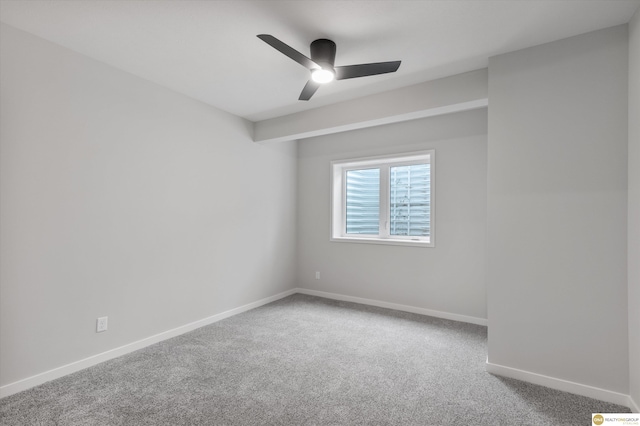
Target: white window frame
(338, 172)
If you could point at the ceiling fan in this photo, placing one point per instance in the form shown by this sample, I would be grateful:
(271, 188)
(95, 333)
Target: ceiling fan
(321, 64)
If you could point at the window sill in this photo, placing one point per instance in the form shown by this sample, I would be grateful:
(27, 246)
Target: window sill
(384, 241)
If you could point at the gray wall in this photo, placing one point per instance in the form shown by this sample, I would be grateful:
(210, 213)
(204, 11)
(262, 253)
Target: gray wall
(557, 210)
(122, 198)
(634, 208)
(449, 277)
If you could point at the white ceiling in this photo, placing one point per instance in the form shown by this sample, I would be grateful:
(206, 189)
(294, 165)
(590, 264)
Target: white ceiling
(209, 50)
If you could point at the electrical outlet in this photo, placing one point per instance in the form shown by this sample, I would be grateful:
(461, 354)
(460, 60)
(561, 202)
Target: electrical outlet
(317, 275)
(101, 324)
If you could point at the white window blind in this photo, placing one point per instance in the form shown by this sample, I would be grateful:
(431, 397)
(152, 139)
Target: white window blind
(410, 200)
(363, 201)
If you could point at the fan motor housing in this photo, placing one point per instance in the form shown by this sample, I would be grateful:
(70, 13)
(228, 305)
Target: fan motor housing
(323, 52)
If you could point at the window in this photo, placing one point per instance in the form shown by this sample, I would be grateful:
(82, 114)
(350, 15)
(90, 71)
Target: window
(384, 200)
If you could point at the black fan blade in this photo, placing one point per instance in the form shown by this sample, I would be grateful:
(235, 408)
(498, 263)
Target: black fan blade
(308, 91)
(363, 70)
(288, 51)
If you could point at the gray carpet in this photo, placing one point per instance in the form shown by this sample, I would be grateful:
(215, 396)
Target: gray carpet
(304, 361)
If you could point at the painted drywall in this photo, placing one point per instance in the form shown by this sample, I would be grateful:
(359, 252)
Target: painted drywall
(448, 278)
(633, 254)
(459, 92)
(557, 210)
(121, 198)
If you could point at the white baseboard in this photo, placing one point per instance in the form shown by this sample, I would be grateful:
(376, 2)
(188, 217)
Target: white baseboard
(634, 406)
(396, 306)
(538, 379)
(562, 385)
(56, 373)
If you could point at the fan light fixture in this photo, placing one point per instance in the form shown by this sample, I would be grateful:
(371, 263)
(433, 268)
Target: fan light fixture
(321, 75)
